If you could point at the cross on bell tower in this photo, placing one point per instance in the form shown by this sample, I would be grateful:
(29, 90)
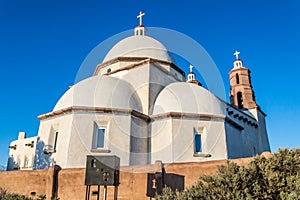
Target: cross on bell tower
(141, 17)
(192, 77)
(238, 63)
(140, 29)
(236, 53)
(241, 92)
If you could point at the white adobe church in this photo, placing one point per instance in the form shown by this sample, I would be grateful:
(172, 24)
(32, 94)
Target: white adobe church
(139, 106)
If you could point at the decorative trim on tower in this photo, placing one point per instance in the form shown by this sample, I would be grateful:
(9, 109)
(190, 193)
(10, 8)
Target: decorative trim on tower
(192, 77)
(241, 92)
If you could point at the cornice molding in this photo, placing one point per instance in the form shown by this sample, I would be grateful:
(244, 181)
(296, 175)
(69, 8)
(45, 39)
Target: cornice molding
(140, 60)
(83, 109)
(173, 115)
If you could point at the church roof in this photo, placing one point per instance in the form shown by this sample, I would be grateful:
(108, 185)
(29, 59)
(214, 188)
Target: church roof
(184, 97)
(139, 46)
(100, 91)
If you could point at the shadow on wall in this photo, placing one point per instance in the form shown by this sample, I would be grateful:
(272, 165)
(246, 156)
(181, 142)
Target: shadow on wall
(42, 158)
(159, 180)
(12, 164)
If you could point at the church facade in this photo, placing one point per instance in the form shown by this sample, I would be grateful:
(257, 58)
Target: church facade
(139, 106)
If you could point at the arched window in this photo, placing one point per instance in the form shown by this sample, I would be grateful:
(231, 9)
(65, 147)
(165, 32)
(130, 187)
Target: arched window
(197, 143)
(26, 162)
(240, 100)
(237, 78)
(53, 139)
(191, 77)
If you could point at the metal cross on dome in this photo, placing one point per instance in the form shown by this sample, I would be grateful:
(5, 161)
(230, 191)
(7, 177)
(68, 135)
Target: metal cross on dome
(141, 17)
(236, 53)
(191, 68)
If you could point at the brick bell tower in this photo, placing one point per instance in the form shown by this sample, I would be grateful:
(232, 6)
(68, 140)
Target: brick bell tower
(241, 92)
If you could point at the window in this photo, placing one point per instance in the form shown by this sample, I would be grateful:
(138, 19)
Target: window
(237, 78)
(26, 162)
(191, 77)
(99, 137)
(55, 140)
(197, 143)
(240, 100)
(52, 143)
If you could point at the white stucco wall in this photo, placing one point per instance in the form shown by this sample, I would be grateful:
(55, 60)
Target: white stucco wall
(262, 134)
(173, 140)
(148, 80)
(61, 124)
(138, 78)
(212, 136)
(158, 80)
(139, 142)
(242, 143)
(124, 134)
(22, 156)
(234, 139)
(250, 137)
(161, 141)
(117, 137)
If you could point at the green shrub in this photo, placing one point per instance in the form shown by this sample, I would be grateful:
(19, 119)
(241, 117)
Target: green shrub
(16, 197)
(277, 177)
(41, 197)
(4, 195)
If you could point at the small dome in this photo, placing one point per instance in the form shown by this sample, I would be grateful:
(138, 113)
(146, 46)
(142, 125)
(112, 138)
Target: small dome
(100, 91)
(139, 46)
(184, 97)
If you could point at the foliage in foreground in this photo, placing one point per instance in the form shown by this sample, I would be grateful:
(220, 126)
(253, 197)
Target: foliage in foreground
(4, 195)
(277, 177)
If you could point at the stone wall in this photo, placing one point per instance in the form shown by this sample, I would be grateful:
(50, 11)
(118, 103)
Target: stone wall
(69, 183)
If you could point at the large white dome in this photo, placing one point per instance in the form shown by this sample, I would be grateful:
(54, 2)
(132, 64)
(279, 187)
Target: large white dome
(185, 97)
(100, 91)
(139, 46)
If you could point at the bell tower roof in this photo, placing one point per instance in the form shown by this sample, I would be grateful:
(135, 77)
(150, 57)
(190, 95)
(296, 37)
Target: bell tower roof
(237, 63)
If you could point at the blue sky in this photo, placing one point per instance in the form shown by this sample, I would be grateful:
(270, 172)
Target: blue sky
(43, 43)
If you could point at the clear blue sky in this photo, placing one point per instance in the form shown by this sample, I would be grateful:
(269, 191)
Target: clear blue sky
(43, 43)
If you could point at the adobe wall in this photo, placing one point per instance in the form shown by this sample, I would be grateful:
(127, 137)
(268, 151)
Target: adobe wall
(25, 182)
(133, 183)
(133, 180)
